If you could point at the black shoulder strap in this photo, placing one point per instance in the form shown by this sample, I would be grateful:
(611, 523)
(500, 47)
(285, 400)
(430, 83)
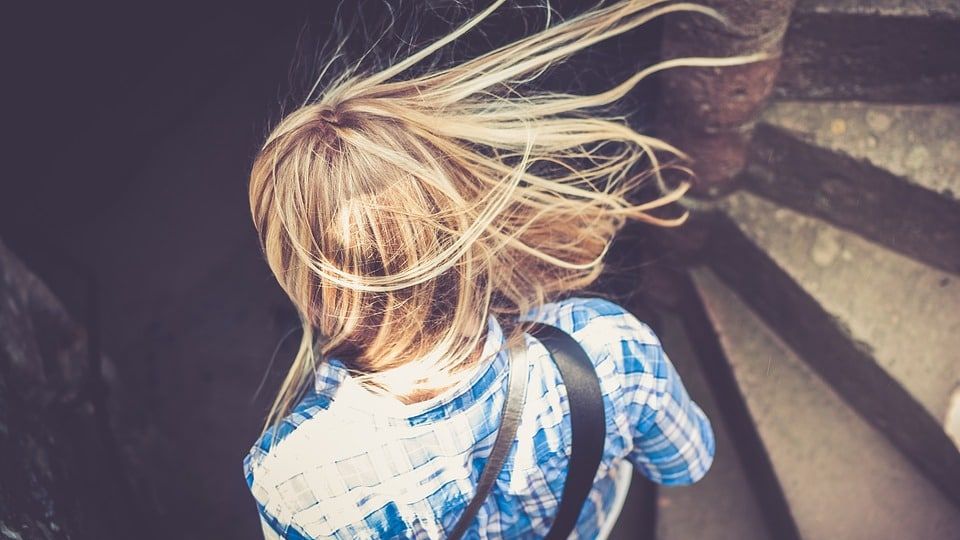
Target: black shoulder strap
(587, 423)
(506, 433)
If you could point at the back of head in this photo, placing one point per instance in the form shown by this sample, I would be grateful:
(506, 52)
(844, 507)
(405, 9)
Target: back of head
(398, 213)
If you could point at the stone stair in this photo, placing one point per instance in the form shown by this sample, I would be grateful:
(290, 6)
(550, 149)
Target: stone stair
(823, 304)
(876, 50)
(882, 329)
(841, 477)
(891, 172)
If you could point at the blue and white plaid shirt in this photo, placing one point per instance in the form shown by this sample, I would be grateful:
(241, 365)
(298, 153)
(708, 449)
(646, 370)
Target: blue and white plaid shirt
(347, 464)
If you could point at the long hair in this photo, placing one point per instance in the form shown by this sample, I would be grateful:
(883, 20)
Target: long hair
(398, 213)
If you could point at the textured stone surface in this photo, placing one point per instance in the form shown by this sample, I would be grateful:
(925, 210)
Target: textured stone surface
(886, 50)
(695, 511)
(953, 417)
(902, 8)
(709, 111)
(60, 476)
(920, 143)
(753, 264)
(889, 172)
(842, 478)
(902, 311)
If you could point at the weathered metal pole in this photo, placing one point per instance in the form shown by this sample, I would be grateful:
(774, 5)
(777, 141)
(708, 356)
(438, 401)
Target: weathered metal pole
(709, 112)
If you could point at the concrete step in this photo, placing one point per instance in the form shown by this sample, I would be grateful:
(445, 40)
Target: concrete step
(875, 50)
(858, 164)
(842, 478)
(695, 511)
(881, 328)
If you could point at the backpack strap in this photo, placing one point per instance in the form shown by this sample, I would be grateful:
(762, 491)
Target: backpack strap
(587, 426)
(506, 434)
(587, 423)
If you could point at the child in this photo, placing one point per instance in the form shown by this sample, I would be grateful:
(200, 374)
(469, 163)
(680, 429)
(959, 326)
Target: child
(418, 224)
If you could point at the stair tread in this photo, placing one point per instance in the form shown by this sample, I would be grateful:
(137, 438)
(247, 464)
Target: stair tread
(871, 291)
(893, 8)
(694, 511)
(916, 142)
(841, 478)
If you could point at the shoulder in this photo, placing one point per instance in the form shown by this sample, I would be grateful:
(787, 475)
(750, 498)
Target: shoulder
(276, 464)
(593, 320)
(620, 345)
(310, 407)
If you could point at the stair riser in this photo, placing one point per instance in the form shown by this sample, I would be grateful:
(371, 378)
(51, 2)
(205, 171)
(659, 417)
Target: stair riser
(870, 58)
(855, 195)
(830, 350)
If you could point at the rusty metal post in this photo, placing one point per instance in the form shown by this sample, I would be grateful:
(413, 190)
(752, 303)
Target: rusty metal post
(709, 112)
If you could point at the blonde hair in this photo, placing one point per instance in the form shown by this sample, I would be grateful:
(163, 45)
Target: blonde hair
(399, 213)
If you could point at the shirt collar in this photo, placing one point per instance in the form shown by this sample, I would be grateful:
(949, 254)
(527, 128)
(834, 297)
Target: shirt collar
(333, 380)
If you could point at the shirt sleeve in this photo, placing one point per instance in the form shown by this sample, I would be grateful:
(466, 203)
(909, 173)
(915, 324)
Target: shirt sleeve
(673, 442)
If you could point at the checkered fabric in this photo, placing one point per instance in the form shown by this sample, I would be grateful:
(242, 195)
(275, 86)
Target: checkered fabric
(349, 464)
